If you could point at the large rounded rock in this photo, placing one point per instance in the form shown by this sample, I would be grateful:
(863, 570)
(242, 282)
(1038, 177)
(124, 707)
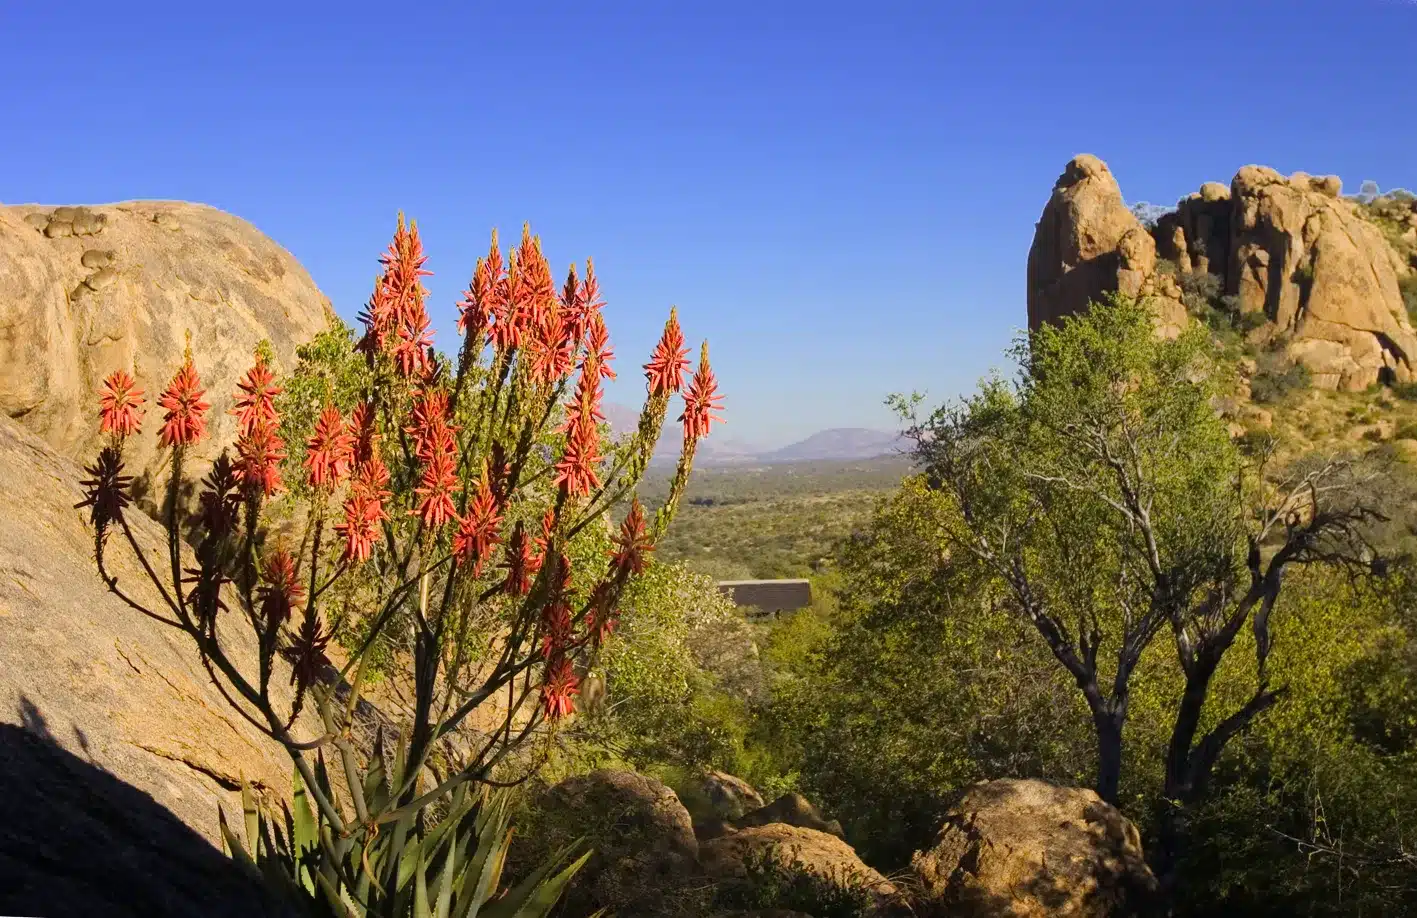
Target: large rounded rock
(1088, 243)
(106, 684)
(645, 860)
(744, 857)
(85, 291)
(1323, 275)
(1028, 848)
(730, 796)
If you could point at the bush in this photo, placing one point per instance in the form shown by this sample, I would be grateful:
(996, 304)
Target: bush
(772, 885)
(1276, 376)
(1408, 286)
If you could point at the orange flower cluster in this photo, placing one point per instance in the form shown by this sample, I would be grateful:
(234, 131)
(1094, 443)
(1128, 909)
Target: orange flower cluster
(396, 318)
(435, 445)
(701, 400)
(479, 532)
(665, 370)
(632, 544)
(281, 591)
(259, 448)
(120, 408)
(185, 421)
(364, 505)
(329, 451)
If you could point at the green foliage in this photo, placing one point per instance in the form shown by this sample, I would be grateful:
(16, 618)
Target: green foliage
(772, 884)
(774, 521)
(452, 869)
(1408, 286)
(1276, 375)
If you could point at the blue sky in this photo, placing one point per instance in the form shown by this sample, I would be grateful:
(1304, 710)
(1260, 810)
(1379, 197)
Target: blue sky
(840, 197)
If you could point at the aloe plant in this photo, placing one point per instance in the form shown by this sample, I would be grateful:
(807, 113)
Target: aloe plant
(454, 870)
(421, 514)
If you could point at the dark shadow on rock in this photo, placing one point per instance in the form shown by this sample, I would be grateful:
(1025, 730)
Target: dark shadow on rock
(77, 841)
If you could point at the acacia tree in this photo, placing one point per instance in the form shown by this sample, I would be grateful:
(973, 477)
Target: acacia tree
(464, 493)
(1102, 495)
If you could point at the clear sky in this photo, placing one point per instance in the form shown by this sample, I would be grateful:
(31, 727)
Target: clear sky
(840, 197)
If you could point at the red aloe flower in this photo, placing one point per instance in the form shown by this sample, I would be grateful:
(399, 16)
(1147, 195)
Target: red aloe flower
(576, 473)
(701, 400)
(430, 429)
(559, 689)
(185, 422)
(520, 564)
(413, 347)
(598, 347)
(329, 451)
(106, 489)
(363, 513)
(281, 591)
(556, 615)
(256, 403)
(665, 370)
(587, 397)
(371, 477)
(120, 408)
(478, 531)
(378, 320)
(437, 488)
(403, 272)
(538, 290)
(259, 455)
(632, 544)
(362, 434)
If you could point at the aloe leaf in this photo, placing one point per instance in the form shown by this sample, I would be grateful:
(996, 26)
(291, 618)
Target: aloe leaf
(535, 896)
(253, 820)
(446, 878)
(304, 832)
(238, 850)
(420, 889)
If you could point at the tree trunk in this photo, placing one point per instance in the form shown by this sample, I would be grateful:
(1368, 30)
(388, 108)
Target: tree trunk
(1108, 724)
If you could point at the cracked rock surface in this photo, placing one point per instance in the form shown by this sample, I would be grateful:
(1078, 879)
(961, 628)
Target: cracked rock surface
(86, 673)
(88, 290)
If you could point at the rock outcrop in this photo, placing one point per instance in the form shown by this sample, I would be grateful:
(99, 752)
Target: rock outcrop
(88, 290)
(1292, 249)
(646, 855)
(119, 690)
(1027, 848)
(1088, 243)
(792, 849)
(730, 796)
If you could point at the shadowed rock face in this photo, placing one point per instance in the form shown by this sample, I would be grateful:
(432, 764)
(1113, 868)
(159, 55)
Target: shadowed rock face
(85, 291)
(1290, 248)
(77, 841)
(120, 690)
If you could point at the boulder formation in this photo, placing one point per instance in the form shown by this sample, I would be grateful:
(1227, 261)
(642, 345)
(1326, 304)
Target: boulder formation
(85, 291)
(1088, 243)
(1292, 249)
(646, 855)
(1029, 849)
(825, 858)
(87, 674)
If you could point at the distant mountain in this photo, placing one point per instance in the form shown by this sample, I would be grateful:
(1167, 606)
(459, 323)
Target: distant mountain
(830, 444)
(839, 443)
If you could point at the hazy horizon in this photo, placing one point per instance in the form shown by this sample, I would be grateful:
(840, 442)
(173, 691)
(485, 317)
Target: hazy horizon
(842, 204)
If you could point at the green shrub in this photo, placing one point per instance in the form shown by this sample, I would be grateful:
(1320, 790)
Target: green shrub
(1276, 376)
(1408, 286)
(770, 884)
